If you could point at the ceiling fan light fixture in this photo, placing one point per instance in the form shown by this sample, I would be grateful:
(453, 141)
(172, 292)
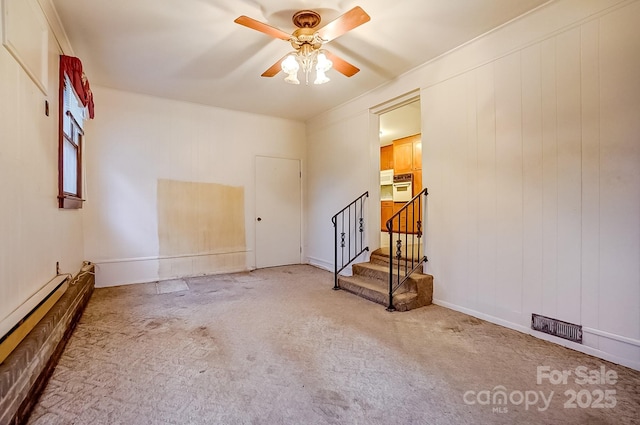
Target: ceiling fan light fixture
(321, 77)
(322, 66)
(292, 79)
(290, 66)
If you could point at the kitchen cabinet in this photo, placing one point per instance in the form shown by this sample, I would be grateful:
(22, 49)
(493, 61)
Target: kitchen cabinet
(386, 211)
(407, 219)
(417, 182)
(386, 157)
(407, 154)
(417, 166)
(417, 153)
(402, 156)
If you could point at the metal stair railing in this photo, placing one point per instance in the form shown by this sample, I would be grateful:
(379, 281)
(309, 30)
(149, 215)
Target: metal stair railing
(406, 222)
(349, 224)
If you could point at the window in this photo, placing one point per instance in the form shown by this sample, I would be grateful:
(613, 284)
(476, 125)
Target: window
(71, 148)
(76, 100)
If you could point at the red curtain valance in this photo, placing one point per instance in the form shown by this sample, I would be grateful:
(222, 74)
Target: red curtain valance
(73, 68)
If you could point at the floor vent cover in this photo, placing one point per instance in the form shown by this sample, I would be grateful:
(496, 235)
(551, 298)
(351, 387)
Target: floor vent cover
(557, 328)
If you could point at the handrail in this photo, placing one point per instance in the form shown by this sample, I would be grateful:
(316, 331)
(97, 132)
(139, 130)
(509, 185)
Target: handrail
(353, 250)
(404, 265)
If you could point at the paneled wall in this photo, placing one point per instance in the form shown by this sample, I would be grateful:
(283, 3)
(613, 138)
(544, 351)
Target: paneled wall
(531, 154)
(533, 168)
(34, 234)
(340, 159)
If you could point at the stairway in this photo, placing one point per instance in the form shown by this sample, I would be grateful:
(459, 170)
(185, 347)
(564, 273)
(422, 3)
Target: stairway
(371, 281)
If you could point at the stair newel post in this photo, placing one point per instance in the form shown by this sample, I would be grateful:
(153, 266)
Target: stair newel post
(335, 253)
(419, 235)
(361, 223)
(390, 307)
(349, 230)
(422, 217)
(363, 248)
(413, 226)
(399, 257)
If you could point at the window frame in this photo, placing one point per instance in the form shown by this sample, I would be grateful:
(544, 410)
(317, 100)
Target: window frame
(68, 200)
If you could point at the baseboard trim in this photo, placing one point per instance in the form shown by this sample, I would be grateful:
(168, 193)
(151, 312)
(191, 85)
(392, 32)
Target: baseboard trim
(347, 271)
(125, 271)
(550, 338)
(322, 264)
(611, 336)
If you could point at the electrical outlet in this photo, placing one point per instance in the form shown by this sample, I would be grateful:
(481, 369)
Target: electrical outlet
(57, 268)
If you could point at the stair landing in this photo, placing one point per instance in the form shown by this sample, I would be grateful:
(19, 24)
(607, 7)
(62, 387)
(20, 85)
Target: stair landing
(371, 281)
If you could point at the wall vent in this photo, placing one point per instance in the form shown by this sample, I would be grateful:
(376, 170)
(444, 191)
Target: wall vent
(557, 328)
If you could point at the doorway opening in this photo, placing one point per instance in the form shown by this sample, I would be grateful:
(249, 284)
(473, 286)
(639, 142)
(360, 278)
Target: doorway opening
(400, 135)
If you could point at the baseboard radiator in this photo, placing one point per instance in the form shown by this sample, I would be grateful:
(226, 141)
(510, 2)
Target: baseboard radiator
(26, 369)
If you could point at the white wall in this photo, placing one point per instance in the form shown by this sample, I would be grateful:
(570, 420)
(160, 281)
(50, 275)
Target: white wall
(135, 141)
(34, 233)
(338, 173)
(531, 154)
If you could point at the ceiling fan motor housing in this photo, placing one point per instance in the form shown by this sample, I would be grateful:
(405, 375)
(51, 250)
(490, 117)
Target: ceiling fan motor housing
(306, 19)
(303, 36)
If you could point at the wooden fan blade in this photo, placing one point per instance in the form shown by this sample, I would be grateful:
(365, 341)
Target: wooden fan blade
(275, 68)
(350, 20)
(264, 28)
(341, 65)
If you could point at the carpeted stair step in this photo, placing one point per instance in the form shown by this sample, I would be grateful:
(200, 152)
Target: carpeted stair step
(372, 291)
(371, 281)
(380, 274)
(383, 259)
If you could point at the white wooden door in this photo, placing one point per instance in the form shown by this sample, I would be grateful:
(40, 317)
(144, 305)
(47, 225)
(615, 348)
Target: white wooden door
(278, 211)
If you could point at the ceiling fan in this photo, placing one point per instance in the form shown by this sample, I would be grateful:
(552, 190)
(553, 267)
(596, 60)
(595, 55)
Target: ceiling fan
(307, 40)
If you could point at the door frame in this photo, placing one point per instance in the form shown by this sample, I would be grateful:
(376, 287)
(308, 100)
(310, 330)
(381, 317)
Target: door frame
(373, 220)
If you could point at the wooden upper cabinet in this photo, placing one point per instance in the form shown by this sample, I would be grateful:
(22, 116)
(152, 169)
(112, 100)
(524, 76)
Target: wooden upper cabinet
(407, 154)
(417, 154)
(417, 166)
(402, 157)
(386, 157)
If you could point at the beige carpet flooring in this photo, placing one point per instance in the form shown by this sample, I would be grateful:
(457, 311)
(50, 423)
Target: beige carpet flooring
(278, 346)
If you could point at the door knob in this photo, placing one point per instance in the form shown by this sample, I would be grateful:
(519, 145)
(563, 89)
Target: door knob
(259, 218)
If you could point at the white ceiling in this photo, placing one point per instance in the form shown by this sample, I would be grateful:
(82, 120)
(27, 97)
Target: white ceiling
(400, 122)
(192, 50)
